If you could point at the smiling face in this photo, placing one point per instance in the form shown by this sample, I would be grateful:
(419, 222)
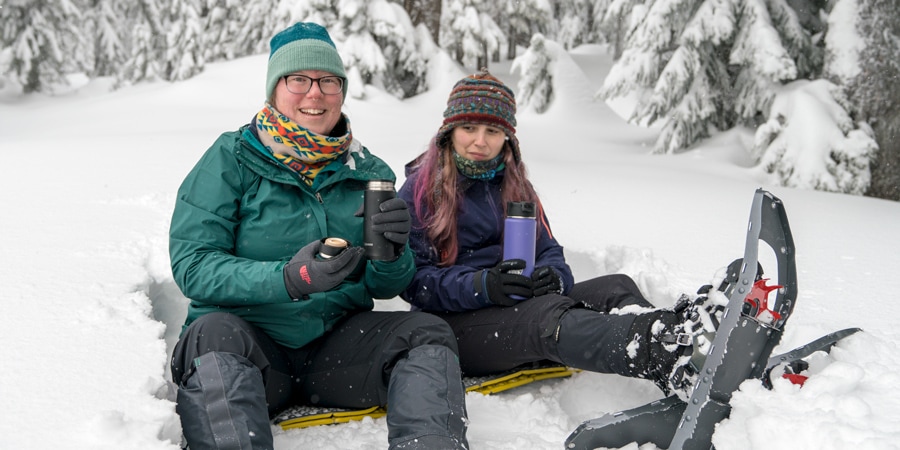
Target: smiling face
(315, 111)
(477, 142)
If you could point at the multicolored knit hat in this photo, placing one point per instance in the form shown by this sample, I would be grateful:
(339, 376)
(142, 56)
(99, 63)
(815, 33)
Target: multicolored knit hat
(302, 46)
(481, 99)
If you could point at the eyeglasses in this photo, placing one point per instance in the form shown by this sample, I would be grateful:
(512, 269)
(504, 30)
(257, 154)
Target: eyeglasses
(301, 84)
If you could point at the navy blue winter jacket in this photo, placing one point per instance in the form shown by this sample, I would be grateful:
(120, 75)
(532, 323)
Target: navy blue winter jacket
(480, 228)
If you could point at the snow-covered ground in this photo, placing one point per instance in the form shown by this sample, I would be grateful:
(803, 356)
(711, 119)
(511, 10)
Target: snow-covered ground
(90, 310)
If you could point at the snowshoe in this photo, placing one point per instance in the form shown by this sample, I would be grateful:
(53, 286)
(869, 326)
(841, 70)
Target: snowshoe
(747, 330)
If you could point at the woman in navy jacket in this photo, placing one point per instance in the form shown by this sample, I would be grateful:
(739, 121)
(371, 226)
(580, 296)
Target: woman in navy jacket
(457, 192)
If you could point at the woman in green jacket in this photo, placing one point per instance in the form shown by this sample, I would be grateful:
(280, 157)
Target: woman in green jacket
(272, 323)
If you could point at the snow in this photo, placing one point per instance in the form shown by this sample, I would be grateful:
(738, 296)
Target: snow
(843, 41)
(90, 307)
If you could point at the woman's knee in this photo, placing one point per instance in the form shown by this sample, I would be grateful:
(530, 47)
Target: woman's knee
(614, 282)
(420, 328)
(611, 291)
(215, 332)
(219, 331)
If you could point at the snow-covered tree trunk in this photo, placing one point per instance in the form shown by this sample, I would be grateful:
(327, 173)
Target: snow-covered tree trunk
(425, 12)
(616, 19)
(524, 18)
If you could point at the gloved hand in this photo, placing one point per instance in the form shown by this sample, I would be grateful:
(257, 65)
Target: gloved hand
(305, 274)
(499, 284)
(393, 222)
(546, 281)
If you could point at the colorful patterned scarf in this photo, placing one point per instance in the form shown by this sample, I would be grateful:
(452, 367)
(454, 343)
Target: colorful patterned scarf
(296, 147)
(479, 170)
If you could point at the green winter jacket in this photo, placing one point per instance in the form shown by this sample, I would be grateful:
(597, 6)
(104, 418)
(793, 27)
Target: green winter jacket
(240, 216)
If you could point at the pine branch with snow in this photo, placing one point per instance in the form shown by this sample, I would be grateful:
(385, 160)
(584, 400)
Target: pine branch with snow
(222, 26)
(405, 63)
(470, 35)
(863, 41)
(823, 148)
(107, 31)
(702, 66)
(576, 23)
(536, 84)
(524, 18)
(44, 43)
(146, 46)
(185, 41)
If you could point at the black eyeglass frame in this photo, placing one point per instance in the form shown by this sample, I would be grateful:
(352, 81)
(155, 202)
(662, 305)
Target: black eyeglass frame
(316, 81)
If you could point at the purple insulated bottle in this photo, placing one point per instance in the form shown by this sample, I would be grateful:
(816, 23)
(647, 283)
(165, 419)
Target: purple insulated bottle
(519, 233)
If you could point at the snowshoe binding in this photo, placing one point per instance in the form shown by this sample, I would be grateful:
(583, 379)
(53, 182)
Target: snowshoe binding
(701, 317)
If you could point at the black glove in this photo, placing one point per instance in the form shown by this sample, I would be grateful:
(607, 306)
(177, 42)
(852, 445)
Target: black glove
(393, 221)
(504, 281)
(546, 281)
(305, 274)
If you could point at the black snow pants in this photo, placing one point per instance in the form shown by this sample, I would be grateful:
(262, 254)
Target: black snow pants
(575, 330)
(232, 377)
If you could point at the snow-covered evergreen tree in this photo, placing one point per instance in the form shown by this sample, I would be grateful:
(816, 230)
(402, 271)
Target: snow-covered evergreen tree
(576, 23)
(427, 13)
(701, 66)
(469, 34)
(359, 50)
(536, 82)
(185, 45)
(832, 155)
(106, 29)
(146, 47)
(616, 19)
(323, 12)
(524, 18)
(222, 20)
(377, 43)
(45, 44)
(863, 41)
(405, 64)
(258, 23)
(705, 65)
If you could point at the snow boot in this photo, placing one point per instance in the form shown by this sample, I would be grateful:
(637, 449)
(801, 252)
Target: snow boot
(222, 404)
(426, 401)
(680, 338)
(670, 345)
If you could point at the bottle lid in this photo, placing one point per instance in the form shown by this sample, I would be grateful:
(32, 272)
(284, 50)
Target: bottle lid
(520, 209)
(380, 185)
(333, 246)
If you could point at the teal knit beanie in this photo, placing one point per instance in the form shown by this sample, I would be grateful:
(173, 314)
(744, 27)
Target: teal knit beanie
(302, 46)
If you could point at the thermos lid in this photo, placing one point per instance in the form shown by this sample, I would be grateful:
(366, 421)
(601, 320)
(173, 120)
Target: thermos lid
(380, 185)
(520, 209)
(333, 246)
